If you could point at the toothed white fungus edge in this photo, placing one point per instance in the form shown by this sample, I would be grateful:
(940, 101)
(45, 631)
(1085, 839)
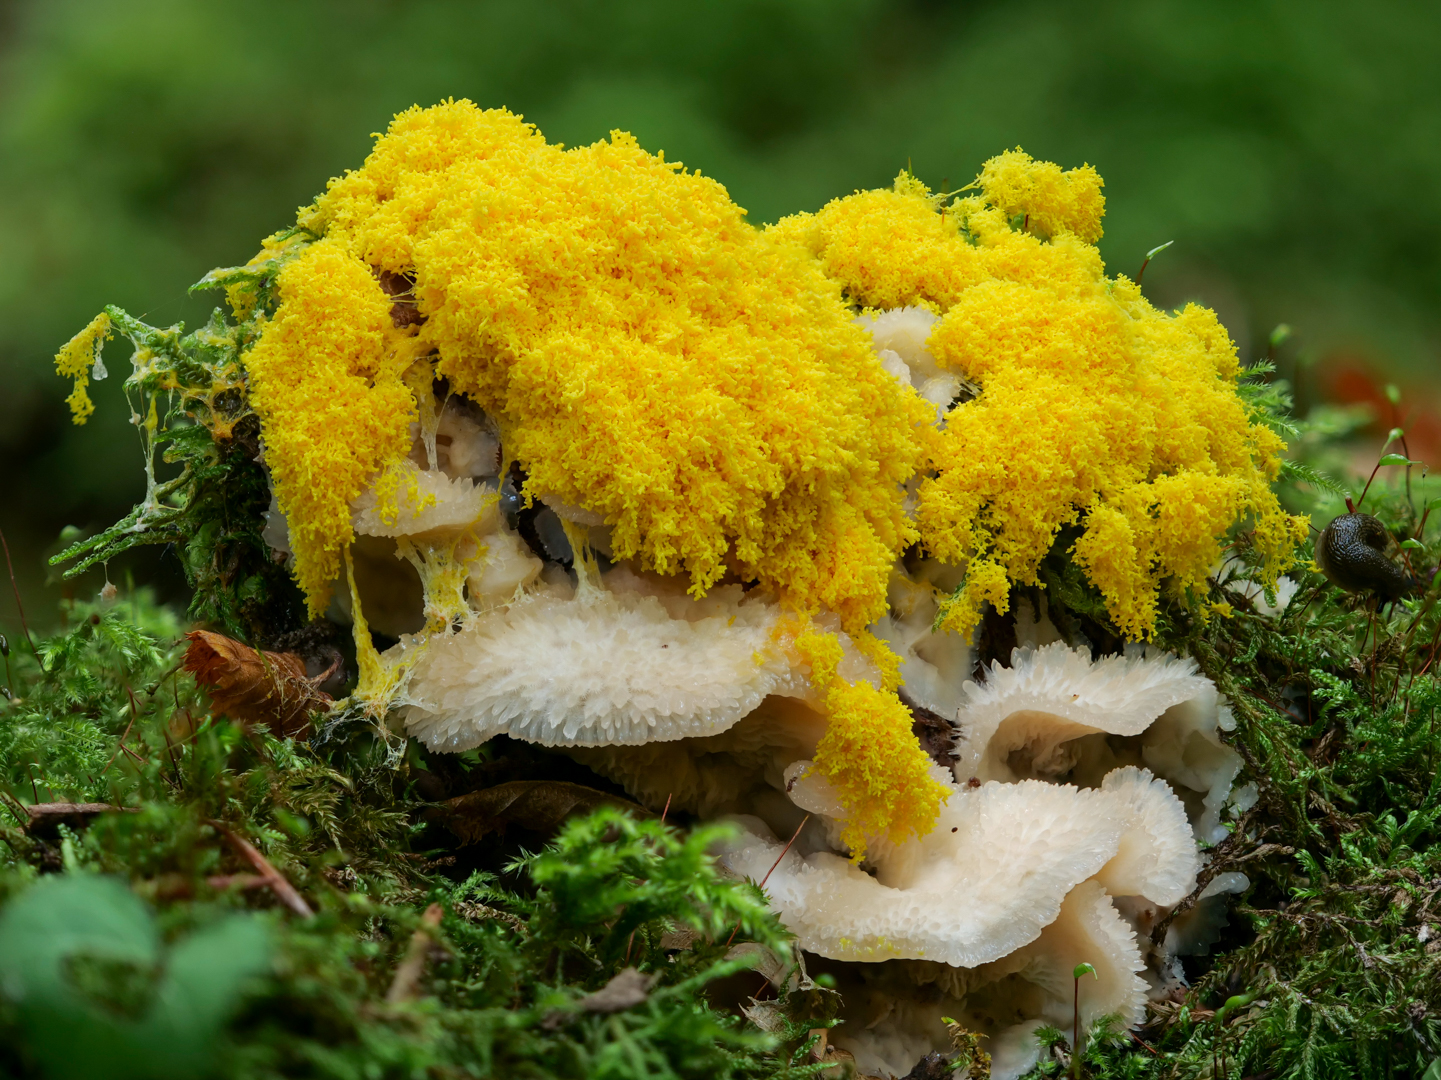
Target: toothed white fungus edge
(602, 669)
(984, 882)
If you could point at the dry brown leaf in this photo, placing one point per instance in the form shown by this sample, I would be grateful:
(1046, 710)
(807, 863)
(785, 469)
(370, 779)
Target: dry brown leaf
(255, 687)
(627, 989)
(539, 805)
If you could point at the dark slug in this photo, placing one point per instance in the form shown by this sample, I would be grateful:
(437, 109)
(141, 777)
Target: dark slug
(1351, 553)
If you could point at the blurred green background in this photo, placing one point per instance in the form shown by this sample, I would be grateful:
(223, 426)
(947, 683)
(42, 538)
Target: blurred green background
(1291, 150)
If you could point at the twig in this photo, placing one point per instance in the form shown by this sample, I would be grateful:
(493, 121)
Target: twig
(17, 808)
(1151, 255)
(237, 881)
(16, 590)
(404, 987)
(1143, 1042)
(134, 715)
(284, 891)
(772, 870)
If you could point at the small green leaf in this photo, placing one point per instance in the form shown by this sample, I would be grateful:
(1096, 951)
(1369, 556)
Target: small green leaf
(1280, 335)
(1397, 459)
(1084, 969)
(1158, 249)
(1433, 1071)
(1434, 504)
(1413, 545)
(1393, 394)
(1394, 434)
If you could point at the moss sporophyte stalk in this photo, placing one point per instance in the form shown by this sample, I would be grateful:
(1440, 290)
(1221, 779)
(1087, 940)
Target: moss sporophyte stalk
(703, 392)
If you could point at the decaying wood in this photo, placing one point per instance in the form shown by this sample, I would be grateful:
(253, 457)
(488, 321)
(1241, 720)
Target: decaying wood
(45, 818)
(255, 687)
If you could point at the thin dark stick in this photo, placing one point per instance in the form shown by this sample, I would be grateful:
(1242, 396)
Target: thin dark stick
(772, 870)
(170, 753)
(282, 888)
(666, 811)
(1144, 1043)
(134, 715)
(9, 679)
(16, 590)
(30, 769)
(1373, 476)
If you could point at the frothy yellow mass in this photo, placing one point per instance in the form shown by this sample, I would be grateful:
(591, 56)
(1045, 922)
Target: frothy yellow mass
(1094, 407)
(703, 385)
(647, 353)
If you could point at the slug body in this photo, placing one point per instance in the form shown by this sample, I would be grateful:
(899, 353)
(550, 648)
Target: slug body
(1351, 552)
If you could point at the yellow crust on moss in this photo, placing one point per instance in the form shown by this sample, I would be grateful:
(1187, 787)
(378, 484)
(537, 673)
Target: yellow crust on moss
(75, 360)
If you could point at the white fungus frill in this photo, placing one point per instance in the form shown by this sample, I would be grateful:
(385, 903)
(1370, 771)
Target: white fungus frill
(1038, 983)
(601, 669)
(1055, 714)
(1016, 723)
(1157, 857)
(986, 881)
(740, 770)
(892, 1013)
(900, 339)
(935, 664)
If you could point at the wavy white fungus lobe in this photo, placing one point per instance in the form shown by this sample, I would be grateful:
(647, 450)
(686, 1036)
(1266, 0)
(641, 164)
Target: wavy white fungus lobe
(1183, 746)
(1037, 982)
(466, 443)
(506, 567)
(1195, 930)
(935, 664)
(904, 331)
(602, 669)
(1017, 723)
(740, 770)
(984, 883)
(900, 340)
(1157, 856)
(1055, 714)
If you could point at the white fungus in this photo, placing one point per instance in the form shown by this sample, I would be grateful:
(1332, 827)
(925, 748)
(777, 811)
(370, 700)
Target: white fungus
(900, 340)
(605, 668)
(935, 664)
(425, 500)
(985, 881)
(1055, 714)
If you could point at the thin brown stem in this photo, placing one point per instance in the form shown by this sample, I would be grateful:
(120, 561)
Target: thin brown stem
(284, 891)
(134, 715)
(772, 870)
(406, 984)
(15, 588)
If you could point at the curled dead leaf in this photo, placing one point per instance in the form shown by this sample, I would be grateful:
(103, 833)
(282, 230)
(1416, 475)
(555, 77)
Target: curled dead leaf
(255, 687)
(626, 989)
(538, 805)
